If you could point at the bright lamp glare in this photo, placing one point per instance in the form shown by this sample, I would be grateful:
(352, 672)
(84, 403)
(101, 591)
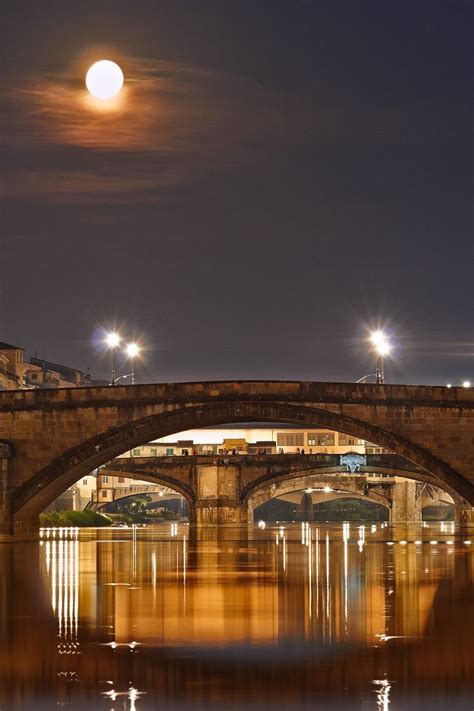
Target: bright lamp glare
(380, 342)
(112, 339)
(466, 384)
(384, 349)
(132, 350)
(378, 337)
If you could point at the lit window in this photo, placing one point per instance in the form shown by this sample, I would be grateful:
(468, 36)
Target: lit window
(321, 439)
(290, 439)
(344, 440)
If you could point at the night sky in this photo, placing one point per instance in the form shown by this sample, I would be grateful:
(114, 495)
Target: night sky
(281, 177)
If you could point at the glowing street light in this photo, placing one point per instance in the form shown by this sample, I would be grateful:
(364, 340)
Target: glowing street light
(132, 351)
(112, 340)
(382, 348)
(466, 384)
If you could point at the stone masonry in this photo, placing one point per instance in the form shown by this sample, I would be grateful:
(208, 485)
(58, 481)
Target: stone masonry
(57, 436)
(229, 491)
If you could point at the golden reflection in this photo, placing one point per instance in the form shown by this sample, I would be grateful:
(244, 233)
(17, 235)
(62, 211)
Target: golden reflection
(202, 616)
(328, 588)
(346, 606)
(383, 694)
(62, 566)
(171, 589)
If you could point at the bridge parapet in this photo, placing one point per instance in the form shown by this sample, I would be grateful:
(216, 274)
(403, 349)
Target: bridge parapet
(317, 459)
(240, 391)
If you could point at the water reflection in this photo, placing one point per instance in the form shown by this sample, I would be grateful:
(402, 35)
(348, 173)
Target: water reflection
(62, 567)
(313, 616)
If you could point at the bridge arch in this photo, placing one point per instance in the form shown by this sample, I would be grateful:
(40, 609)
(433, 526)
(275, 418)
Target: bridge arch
(150, 492)
(177, 489)
(331, 471)
(272, 490)
(157, 479)
(44, 486)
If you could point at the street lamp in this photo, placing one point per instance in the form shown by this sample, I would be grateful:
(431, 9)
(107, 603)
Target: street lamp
(112, 340)
(382, 348)
(466, 384)
(132, 351)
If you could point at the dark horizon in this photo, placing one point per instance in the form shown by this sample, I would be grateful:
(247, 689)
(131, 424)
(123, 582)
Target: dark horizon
(282, 180)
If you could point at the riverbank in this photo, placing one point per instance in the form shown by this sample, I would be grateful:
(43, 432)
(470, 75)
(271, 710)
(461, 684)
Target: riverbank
(77, 519)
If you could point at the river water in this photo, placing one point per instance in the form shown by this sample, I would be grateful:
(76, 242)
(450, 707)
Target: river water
(320, 616)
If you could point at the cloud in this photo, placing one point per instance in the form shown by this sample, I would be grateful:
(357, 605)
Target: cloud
(72, 186)
(175, 124)
(171, 123)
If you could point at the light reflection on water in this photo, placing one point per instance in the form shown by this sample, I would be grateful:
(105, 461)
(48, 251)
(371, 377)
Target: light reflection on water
(295, 616)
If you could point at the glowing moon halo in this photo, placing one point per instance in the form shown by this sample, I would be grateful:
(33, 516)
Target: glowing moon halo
(104, 79)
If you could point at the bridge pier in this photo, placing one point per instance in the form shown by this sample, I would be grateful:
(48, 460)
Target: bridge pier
(26, 527)
(218, 500)
(306, 508)
(463, 514)
(6, 514)
(406, 507)
(13, 526)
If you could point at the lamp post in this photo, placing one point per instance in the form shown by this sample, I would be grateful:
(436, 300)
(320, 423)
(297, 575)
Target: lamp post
(112, 339)
(382, 348)
(132, 351)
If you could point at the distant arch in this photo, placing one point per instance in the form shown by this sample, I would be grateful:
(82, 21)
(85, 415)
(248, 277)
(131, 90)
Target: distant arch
(149, 489)
(275, 489)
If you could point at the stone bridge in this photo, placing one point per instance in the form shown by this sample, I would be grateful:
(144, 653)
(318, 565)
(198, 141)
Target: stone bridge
(51, 438)
(155, 491)
(227, 490)
(404, 500)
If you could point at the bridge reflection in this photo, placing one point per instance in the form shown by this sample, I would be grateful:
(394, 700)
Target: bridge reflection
(194, 614)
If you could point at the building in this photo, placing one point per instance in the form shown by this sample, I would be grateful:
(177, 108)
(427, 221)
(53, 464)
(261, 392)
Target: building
(41, 373)
(254, 438)
(37, 373)
(77, 496)
(11, 362)
(83, 491)
(16, 373)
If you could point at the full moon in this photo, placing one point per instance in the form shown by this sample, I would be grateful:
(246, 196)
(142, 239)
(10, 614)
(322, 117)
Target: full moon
(104, 79)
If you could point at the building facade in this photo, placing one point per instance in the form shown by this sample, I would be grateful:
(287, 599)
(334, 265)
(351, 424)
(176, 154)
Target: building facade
(253, 439)
(37, 373)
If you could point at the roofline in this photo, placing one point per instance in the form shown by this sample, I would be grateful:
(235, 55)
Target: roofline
(9, 347)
